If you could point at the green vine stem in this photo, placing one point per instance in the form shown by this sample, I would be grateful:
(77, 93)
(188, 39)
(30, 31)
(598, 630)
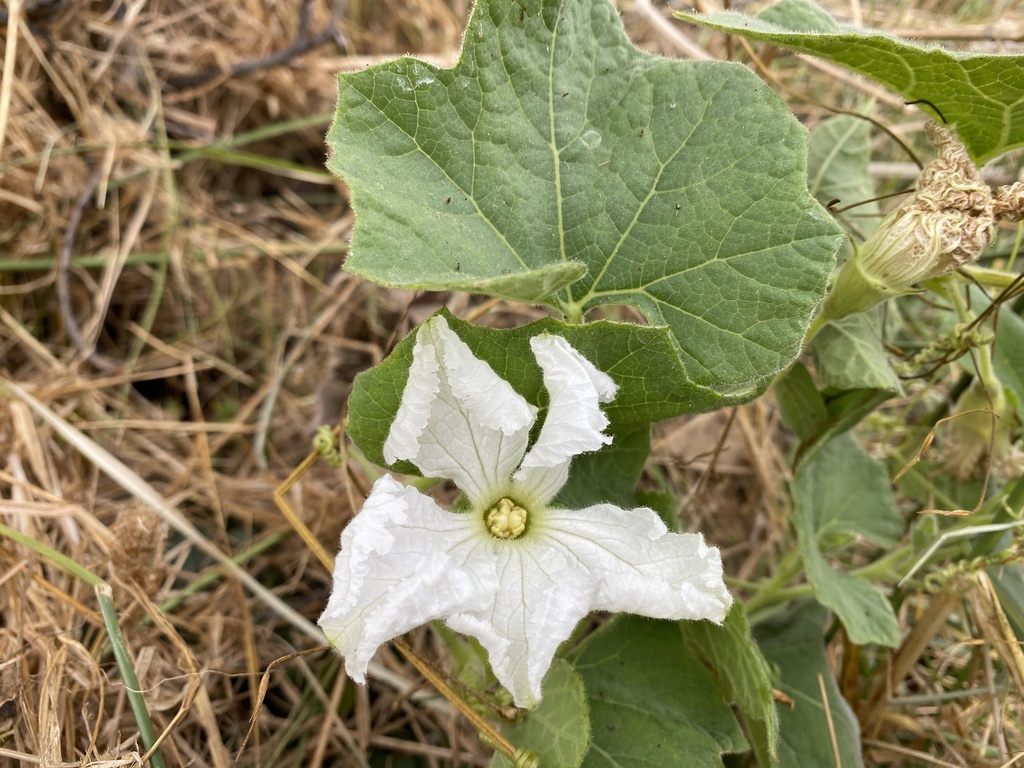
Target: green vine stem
(767, 595)
(819, 322)
(1006, 510)
(124, 662)
(885, 570)
(949, 286)
(991, 278)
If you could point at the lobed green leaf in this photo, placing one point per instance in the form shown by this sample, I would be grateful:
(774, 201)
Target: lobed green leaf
(652, 702)
(981, 93)
(556, 163)
(840, 491)
(558, 731)
(742, 676)
(793, 643)
(652, 386)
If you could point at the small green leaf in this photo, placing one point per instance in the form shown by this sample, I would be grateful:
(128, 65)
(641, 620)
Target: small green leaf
(1008, 357)
(864, 611)
(652, 703)
(837, 169)
(556, 163)
(652, 385)
(845, 491)
(558, 731)
(982, 93)
(742, 676)
(793, 643)
(803, 408)
(815, 417)
(840, 491)
(849, 354)
(1008, 582)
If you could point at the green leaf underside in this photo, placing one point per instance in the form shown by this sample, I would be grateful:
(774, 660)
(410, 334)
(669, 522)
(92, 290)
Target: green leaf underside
(651, 383)
(556, 163)
(983, 94)
(794, 645)
(558, 731)
(743, 677)
(652, 703)
(839, 492)
(468, 658)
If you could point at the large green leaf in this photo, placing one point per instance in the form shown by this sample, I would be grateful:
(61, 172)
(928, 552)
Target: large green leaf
(556, 163)
(652, 386)
(793, 643)
(840, 491)
(742, 676)
(610, 474)
(652, 703)
(558, 731)
(982, 93)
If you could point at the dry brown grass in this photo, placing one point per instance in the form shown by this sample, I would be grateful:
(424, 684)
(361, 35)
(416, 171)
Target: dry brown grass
(170, 286)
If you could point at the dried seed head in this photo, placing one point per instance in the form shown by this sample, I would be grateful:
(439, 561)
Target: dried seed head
(1009, 202)
(948, 222)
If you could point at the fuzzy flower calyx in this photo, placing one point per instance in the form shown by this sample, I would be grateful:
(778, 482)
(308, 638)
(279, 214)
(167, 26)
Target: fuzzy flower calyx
(513, 571)
(948, 222)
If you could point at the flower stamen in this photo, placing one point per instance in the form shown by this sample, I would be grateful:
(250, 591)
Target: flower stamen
(506, 520)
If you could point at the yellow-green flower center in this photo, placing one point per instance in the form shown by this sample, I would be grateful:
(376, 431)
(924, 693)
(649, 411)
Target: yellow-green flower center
(505, 520)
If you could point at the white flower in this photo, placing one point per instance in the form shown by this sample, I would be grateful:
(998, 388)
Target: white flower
(512, 571)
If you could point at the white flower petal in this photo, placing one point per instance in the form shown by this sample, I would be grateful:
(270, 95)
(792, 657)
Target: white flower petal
(458, 419)
(542, 595)
(639, 566)
(574, 423)
(404, 561)
(421, 389)
(488, 398)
